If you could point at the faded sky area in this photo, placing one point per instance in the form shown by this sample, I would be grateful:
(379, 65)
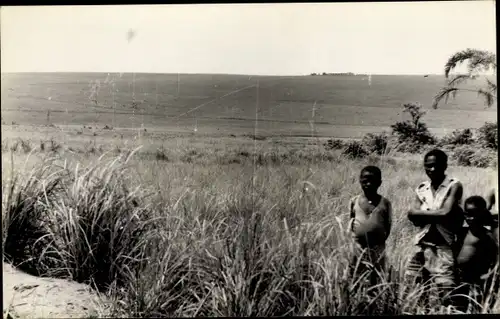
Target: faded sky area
(267, 39)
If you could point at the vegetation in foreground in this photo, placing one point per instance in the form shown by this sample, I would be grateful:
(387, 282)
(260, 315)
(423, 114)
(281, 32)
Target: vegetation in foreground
(220, 239)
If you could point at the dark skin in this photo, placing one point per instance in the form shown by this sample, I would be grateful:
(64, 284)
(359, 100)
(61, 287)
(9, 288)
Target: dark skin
(371, 199)
(435, 170)
(370, 184)
(477, 242)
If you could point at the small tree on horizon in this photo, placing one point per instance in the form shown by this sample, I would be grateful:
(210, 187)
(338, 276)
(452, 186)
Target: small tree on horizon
(412, 133)
(478, 61)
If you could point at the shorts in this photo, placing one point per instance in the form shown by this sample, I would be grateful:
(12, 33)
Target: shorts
(435, 262)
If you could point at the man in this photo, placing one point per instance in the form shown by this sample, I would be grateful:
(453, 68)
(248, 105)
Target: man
(436, 210)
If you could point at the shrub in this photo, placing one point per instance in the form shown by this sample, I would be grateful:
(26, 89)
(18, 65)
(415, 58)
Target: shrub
(335, 144)
(488, 135)
(472, 156)
(376, 143)
(484, 159)
(463, 155)
(161, 154)
(458, 137)
(354, 149)
(413, 132)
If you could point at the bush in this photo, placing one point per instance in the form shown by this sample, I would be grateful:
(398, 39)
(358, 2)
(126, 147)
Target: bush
(488, 135)
(463, 155)
(413, 132)
(355, 149)
(335, 144)
(476, 157)
(376, 143)
(458, 137)
(161, 154)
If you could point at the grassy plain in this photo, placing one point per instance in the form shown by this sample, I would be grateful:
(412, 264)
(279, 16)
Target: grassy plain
(345, 106)
(214, 223)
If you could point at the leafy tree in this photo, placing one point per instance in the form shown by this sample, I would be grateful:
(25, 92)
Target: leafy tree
(477, 61)
(413, 133)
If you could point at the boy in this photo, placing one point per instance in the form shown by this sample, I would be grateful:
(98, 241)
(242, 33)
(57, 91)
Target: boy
(436, 210)
(479, 250)
(370, 222)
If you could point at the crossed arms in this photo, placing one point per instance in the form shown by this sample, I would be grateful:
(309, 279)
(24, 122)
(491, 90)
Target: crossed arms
(420, 217)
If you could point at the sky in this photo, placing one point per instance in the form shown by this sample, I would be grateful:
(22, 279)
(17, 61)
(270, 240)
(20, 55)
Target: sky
(257, 39)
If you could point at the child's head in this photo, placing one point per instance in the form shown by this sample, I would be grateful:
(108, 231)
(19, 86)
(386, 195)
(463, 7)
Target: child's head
(435, 164)
(370, 179)
(476, 212)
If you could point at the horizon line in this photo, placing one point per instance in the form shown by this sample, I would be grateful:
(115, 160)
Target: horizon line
(241, 74)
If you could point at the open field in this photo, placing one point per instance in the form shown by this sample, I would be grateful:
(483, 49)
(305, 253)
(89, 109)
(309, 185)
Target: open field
(213, 222)
(344, 106)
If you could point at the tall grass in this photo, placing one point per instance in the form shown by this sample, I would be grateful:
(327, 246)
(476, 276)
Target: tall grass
(218, 239)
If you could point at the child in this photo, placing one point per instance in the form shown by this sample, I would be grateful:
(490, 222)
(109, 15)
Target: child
(370, 222)
(479, 248)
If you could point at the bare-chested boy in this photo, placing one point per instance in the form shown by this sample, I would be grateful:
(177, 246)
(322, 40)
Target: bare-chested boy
(436, 210)
(479, 250)
(370, 222)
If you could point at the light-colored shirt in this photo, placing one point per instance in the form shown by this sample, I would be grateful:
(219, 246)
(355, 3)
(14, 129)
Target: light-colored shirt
(447, 229)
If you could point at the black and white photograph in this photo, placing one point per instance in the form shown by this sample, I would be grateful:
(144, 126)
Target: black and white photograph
(249, 159)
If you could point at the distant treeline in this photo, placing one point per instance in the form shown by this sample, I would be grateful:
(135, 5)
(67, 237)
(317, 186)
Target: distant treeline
(342, 74)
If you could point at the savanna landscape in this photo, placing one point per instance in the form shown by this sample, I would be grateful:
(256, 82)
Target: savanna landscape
(225, 195)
